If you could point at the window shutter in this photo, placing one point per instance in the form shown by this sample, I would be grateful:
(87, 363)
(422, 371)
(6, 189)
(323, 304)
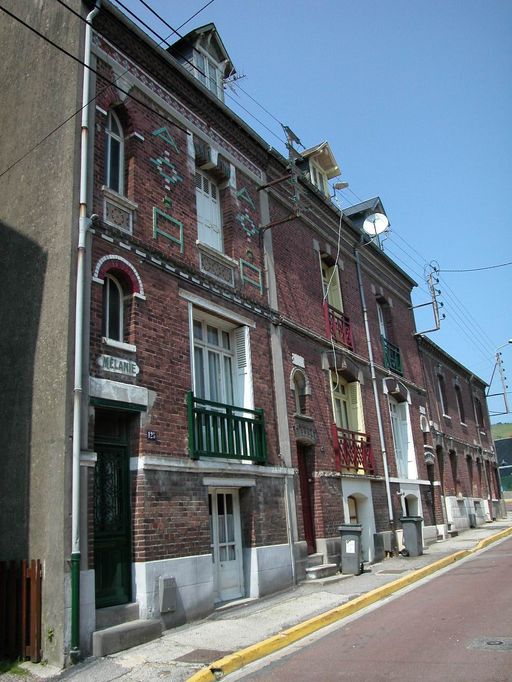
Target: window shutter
(243, 368)
(356, 407)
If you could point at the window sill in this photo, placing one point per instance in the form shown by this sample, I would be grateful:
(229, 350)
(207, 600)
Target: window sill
(118, 210)
(447, 416)
(120, 345)
(216, 264)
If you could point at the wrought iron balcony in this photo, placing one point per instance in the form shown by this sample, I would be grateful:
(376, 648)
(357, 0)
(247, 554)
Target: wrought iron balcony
(392, 359)
(352, 450)
(219, 430)
(337, 326)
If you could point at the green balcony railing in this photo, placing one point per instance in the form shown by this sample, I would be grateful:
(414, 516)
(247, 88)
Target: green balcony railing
(219, 430)
(392, 359)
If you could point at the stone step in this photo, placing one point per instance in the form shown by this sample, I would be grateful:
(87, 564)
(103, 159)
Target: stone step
(115, 615)
(321, 571)
(453, 533)
(124, 636)
(314, 560)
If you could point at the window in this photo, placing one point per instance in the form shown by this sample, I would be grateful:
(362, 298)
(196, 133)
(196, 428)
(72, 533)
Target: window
(318, 177)
(114, 154)
(347, 404)
(331, 282)
(222, 371)
(383, 317)
(442, 394)
(460, 404)
(479, 415)
(209, 228)
(209, 74)
(402, 439)
(113, 309)
(299, 389)
(352, 509)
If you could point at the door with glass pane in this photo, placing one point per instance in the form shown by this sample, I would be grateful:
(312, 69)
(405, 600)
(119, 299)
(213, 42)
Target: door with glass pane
(226, 544)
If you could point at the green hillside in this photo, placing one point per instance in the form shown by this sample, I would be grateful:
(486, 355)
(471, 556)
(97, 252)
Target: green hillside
(500, 431)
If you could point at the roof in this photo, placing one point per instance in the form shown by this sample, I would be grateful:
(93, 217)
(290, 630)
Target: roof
(428, 342)
(324, 157)
(368, 206)
(213, 44)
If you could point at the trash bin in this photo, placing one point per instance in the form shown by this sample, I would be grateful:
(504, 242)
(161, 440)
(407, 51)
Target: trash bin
(351, 554)
(413, 537)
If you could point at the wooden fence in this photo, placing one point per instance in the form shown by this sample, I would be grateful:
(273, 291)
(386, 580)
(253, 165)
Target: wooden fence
(20, 610)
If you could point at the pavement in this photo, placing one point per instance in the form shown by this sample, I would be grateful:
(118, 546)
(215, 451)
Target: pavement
(244, 631)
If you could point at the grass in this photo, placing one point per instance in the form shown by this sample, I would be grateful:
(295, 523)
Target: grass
(12, 667)
(500, 431)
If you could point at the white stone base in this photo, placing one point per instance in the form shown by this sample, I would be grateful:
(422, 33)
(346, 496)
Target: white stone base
(362, 491)
(267, 569)
(194, 588)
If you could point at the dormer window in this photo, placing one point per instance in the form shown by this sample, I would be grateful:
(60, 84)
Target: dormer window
(202, 53)
(208, 73)
(322, 166)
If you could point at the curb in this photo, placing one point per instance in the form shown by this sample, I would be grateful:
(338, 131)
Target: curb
(228, 664)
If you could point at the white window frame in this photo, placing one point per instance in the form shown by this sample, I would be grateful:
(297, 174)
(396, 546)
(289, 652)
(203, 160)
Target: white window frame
(118, 137)
(109, 281)
(242, 380)
(331, 283)
(347, 404)
(208, 72)
(443, 399)
(208, 209)
(317, 177)
(402, 439)
(382, 322)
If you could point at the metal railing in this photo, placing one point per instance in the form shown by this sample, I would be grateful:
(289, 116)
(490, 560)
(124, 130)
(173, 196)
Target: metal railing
(392, 359)
(337, 326)
(219, 430)
(352, 450)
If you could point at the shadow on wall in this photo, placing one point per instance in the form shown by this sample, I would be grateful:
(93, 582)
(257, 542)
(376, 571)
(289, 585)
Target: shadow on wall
(21, 287)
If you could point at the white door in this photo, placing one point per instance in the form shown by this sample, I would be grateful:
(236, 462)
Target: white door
(226, 544)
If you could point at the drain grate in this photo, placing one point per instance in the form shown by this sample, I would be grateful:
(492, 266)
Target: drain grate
(492, 644)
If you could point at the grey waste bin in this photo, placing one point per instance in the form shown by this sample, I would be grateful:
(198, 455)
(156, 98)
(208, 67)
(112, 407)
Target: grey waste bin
(413, 537)
(351, 555)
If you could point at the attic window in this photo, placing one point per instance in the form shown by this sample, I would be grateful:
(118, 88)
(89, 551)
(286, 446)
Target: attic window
(209, 73)
(318, 177)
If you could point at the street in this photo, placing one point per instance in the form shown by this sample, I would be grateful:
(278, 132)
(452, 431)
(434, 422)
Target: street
(456, 626)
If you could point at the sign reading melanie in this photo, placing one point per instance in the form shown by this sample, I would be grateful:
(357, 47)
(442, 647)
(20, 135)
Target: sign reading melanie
(118, 365)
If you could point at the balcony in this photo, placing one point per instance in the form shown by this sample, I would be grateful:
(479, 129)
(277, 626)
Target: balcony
(337, 326)
(392, 359)
(353, 451)
(219, 430)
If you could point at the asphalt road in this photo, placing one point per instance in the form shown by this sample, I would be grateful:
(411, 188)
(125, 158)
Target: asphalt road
(456, 626)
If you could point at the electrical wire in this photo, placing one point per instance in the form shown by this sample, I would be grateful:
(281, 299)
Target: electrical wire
(489, 267)
(194, 66)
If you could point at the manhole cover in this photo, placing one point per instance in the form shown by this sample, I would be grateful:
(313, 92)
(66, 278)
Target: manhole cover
(203, 656)
(492, 644)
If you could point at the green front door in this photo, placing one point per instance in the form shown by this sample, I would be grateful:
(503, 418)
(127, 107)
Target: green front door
(112, 547)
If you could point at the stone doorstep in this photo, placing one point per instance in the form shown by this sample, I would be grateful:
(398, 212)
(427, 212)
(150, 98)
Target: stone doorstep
(115, 615)
(321, 571)
(313, 560)
(124, 636)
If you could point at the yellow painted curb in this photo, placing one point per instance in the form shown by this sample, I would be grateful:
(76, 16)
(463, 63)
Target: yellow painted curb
(230, 663)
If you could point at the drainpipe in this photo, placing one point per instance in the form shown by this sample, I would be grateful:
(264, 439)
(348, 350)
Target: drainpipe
(84, 223)
(375, 387)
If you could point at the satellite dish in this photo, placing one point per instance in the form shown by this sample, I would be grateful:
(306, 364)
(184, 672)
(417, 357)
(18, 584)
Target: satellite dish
(375, 224)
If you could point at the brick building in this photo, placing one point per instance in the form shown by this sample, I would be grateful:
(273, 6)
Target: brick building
(247, 374)
(460, 440)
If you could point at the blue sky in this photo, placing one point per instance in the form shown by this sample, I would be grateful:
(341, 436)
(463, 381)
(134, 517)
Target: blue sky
(415, 100)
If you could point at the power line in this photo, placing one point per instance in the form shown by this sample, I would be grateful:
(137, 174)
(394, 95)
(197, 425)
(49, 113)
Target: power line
(489, 267)
(75, 113)
(194, 66)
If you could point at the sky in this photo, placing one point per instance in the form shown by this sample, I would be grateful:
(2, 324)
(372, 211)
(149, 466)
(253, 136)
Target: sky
(415, 100)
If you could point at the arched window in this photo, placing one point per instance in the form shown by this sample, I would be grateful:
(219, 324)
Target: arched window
(113, 309)
(299, 388)
(114, 154)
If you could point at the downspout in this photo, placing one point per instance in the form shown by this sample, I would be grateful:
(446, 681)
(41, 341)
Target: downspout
(84, 223)
(375, 387)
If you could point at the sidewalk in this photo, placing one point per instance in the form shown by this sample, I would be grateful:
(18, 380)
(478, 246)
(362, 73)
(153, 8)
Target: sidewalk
(188, 650)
